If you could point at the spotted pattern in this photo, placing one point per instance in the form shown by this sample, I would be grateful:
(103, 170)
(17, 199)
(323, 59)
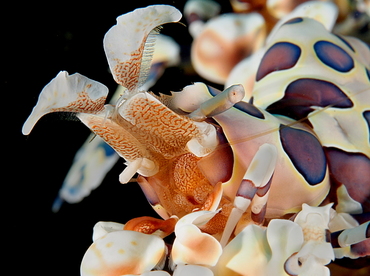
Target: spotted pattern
(302, 94)
(148, 127)
(333, 56)
(280, 56)
(305, 152)
(326, 89)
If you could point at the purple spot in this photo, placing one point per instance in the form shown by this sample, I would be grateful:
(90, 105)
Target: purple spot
(261, 191)
(211, 166)
(333, 56)
(353, 170)
(334, 239)
(250, 109)
(305, 152)
(361, 218)
(247, 189)
(368, 73)
(294, 20)
(260, 217)
(280, 56)
(361, 249)
(302, 94)
(366, 115)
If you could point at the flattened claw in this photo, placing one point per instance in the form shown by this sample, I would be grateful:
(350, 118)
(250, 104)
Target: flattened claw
(129, 47)
(68, 93)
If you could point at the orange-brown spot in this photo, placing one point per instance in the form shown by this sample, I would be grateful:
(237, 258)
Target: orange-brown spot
(149, 225)
(218, 222)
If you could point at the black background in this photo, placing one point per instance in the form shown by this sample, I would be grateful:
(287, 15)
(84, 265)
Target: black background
(39, 40)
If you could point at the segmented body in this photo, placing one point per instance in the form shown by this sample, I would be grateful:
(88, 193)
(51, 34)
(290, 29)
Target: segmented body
(311, 100)
(326, 84)
(300, 139)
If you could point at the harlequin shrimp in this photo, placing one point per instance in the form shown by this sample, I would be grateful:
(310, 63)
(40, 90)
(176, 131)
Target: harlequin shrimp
(225, 173)
(95, 157)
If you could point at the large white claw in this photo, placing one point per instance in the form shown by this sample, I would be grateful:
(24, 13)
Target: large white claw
(69, 93)
(128, 47)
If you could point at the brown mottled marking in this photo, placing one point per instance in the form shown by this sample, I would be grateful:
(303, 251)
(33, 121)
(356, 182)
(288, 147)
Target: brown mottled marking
(117, 137)
(83, 104)
(127, 73)
(162, 130)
